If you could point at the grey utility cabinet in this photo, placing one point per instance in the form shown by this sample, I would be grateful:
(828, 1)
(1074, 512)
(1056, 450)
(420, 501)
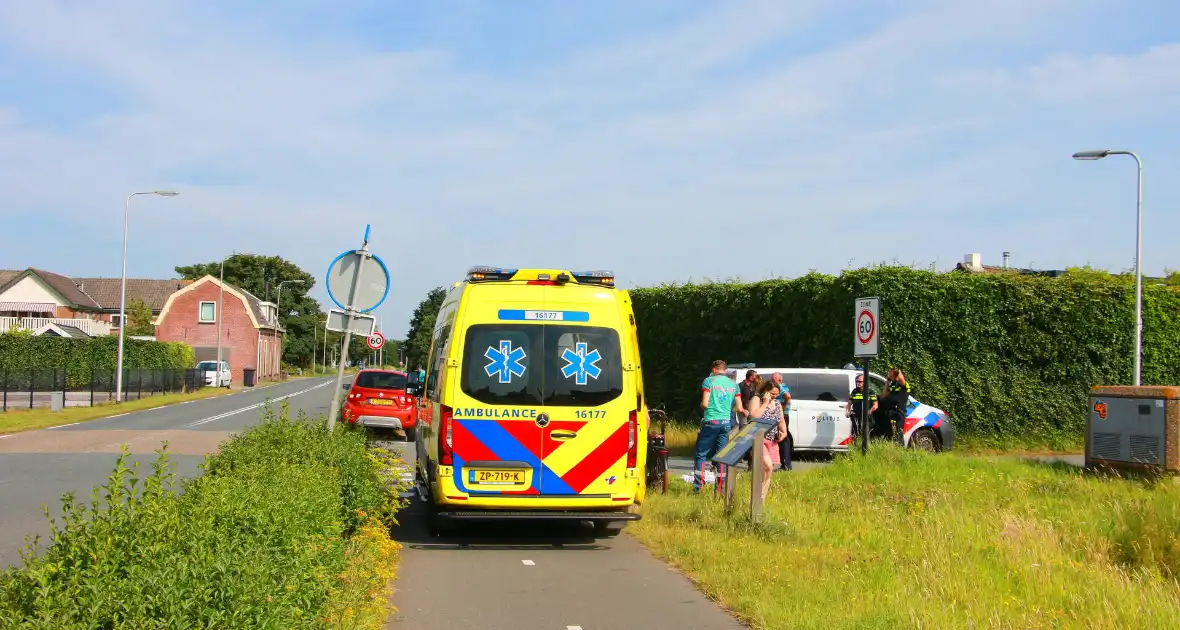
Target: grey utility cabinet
(1134, 428)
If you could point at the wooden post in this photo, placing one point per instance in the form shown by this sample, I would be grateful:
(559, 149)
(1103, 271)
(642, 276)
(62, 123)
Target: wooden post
(757, 476)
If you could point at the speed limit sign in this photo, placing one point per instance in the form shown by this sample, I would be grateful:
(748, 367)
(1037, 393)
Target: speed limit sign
(375, 341)
(867, 338)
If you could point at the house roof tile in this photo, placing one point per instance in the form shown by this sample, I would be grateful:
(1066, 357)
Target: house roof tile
(154, 293)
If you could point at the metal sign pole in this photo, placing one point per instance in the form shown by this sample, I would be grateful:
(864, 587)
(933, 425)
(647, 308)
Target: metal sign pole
(334, 410)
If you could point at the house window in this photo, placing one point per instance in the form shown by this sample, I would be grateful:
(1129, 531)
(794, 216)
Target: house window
(208, 313)
(117, 321)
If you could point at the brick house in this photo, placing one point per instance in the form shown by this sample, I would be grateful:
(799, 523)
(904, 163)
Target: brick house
(106, 292)
(251, 336)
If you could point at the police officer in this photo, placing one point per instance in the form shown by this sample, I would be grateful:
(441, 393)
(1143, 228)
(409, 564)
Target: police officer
(893, 404)
(854, 409)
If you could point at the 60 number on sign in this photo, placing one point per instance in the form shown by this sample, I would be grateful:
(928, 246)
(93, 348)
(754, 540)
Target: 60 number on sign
(375, 341)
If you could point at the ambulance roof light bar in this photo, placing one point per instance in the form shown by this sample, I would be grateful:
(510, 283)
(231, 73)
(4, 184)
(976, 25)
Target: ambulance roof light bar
(483, 274)
(603, 277)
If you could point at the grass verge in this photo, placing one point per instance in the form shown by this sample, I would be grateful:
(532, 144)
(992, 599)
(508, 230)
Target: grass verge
(903, 539)
(287, 528)
(17, 420)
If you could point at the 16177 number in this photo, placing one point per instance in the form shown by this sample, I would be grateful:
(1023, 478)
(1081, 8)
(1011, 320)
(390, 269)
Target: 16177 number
(590, 413)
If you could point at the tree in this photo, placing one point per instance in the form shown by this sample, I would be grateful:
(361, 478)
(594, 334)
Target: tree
(421, 327)
(139, 319)
(261, 275)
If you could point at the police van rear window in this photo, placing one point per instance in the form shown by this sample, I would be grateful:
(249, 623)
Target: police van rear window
(542, 364)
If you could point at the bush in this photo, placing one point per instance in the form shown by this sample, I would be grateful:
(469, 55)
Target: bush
(288, 528)
(80, 357)
(1007, 355)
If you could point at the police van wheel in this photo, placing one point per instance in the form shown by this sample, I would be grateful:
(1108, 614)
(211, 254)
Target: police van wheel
(924, 440)
(609, 529)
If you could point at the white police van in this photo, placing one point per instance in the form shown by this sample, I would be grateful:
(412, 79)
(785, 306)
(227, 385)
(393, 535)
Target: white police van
(819, 401)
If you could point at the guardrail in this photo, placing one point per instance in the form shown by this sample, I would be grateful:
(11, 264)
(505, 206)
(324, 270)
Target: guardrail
(37, 387)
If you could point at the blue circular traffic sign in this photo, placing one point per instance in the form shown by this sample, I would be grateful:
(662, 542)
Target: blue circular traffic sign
(374, 285)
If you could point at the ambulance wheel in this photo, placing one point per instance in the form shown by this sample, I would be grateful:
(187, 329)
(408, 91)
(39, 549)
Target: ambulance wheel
(609, 529)
(924, 440)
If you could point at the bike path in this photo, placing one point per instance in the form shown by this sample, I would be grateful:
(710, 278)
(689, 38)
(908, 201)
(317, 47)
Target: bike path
(543, 577)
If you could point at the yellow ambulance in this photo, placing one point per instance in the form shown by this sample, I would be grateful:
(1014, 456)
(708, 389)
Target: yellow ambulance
(532, 406)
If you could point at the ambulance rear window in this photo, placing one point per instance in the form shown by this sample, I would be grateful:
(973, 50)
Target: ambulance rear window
(542, 364)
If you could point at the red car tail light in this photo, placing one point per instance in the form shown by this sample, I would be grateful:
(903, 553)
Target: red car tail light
(445, 454)
(632, 442)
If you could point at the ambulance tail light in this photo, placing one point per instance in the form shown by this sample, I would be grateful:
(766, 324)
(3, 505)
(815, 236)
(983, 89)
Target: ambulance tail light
(632, 441)
(446, 456)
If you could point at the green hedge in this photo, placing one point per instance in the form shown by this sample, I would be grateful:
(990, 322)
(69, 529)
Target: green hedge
(288, 528)
(1008, 356)
(80, 356)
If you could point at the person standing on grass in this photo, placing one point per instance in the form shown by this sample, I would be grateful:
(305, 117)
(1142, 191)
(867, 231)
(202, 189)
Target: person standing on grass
(766, 407)
(891, 406)
(854, 410)
(719, 401)
(784, 400)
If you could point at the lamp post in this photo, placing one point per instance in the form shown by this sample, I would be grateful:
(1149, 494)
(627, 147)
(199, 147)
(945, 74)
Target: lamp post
(123, 290)
(220, 299)
(278, 311)
(1098, 155)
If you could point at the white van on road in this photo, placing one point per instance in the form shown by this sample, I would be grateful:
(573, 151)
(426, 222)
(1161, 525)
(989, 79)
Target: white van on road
(819, 400)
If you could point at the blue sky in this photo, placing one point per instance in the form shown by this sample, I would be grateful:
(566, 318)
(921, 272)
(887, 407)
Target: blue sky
(668, 141)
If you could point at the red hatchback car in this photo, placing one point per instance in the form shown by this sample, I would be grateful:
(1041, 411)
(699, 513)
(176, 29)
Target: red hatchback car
(377, 398)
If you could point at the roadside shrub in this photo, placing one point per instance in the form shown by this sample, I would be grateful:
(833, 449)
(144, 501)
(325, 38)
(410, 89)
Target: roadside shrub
(80, 357)
(1007, 355)
(287, 529)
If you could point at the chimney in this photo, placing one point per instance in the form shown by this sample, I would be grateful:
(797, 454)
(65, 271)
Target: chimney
(1007, 255)
(973, 261)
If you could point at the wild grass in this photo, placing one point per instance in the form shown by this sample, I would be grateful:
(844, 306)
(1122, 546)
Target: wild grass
(904, 539)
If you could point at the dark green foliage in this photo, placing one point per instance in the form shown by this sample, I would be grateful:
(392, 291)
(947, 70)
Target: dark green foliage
(1006, 355)
(422, 328)
(80, 356)
(139, 319)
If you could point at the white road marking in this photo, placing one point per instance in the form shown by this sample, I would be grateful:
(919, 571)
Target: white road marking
(528, 563)
(573, 628)
(227, 414)
(183, 403)
(63, 425)
(7, 436)
(119, 415)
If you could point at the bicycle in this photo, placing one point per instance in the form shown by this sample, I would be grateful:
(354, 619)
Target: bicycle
(657, 450)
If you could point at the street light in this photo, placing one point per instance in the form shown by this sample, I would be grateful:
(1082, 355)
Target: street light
(220, 297)
(1098, 155)
(278, 311)
(123, 291)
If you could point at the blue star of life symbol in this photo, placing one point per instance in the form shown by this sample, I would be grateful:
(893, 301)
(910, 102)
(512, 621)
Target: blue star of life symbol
(580, 363)
(506, 361)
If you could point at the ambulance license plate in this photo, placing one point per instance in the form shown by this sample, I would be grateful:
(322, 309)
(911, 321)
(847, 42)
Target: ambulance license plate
(497, 477)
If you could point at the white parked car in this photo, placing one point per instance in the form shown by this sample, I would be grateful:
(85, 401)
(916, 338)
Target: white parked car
(208, 370)
(819, 398)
